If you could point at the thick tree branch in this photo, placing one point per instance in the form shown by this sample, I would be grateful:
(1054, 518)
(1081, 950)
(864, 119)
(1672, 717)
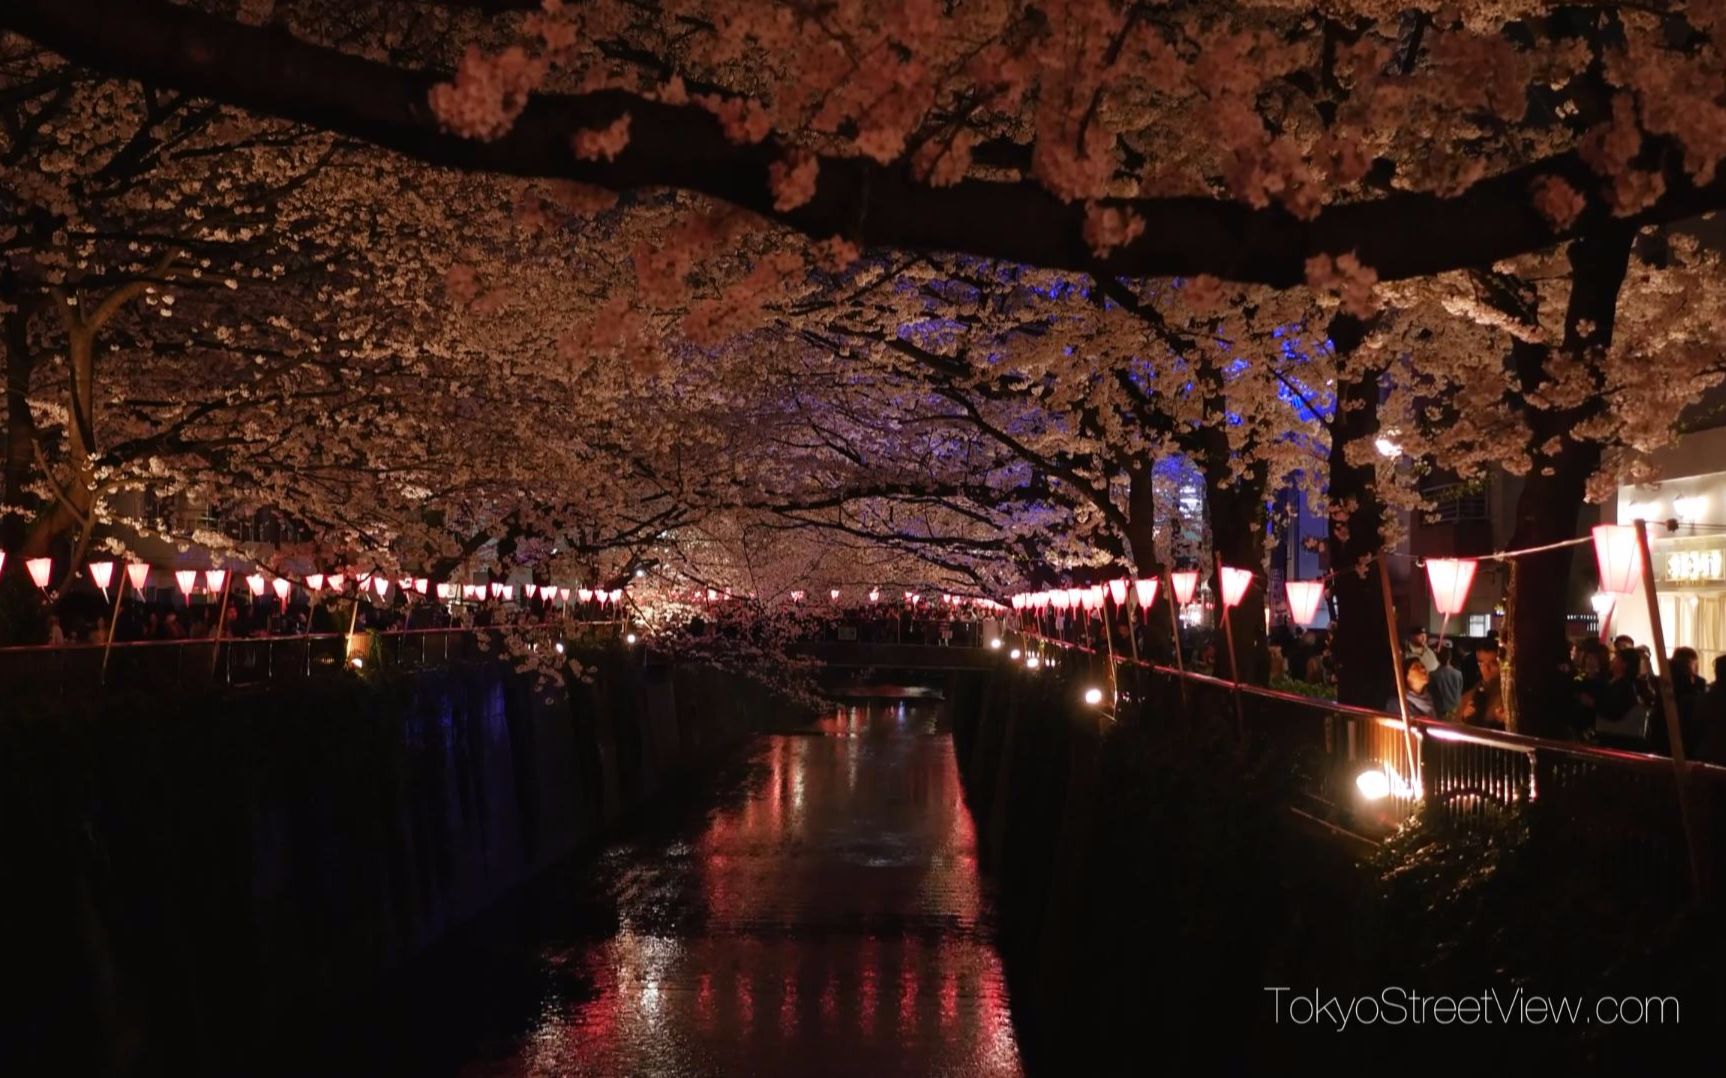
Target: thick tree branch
(1400, 235)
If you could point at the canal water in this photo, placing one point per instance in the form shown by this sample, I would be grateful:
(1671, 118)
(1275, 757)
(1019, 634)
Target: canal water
(818, 913)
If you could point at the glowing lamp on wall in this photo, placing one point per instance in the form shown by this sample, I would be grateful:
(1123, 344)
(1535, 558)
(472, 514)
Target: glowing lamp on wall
(283, 589)
(1235, 583)
(257, 583)
(139, 574)
(1450, 579)
(1185, 583)
(102, 573)
(214, 579)
(1118, 592)
(1619, 556)
(1304, 597)
(187, 579)
(40, 570)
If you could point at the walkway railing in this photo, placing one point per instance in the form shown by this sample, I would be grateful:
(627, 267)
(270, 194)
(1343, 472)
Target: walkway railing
(1608, 802)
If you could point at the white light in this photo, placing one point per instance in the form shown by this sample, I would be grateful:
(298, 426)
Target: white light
(1689, 510)
(1603, 602)
(1093, 696)
(639, 573)
(1387, 448)
(630, 639)
(359, 663)
(995, 643)
(1014, 654)
(1643, 511)
(1031, 662)
(559, 647)
(1373, 784)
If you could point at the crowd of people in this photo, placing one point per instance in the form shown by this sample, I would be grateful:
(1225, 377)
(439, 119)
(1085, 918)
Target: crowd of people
(1613, 699)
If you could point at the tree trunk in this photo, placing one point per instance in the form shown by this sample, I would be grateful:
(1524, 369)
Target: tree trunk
(1365, 675)
(1158, 627)
(1536, 643)
(1237, 512)
(19, 426)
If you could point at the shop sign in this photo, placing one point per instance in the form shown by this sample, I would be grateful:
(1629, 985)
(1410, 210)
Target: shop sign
(1687, 566)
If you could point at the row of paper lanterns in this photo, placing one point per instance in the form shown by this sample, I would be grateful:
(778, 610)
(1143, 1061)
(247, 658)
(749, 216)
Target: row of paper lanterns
(1450, 579)
(101, 574)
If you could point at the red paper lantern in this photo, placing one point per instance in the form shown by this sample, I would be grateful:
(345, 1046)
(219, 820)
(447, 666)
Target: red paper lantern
(139, 574)
(1118, 592)
(102, 572)
(40, 570)
(315, 582)
(214, 579)
(257, 583)
(1304, 597)
(1450, 579)
(187, 579)
(1147, 591)
(1235, 583)
(283, 589)
(1186, 585)
(1618, 553)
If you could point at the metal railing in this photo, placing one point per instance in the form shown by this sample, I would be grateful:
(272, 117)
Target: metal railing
(1607, 802)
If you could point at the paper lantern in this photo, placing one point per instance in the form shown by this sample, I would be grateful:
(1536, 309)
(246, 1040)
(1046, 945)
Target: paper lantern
(422, 585)
(1186, 584)
(214, 579)
(102, 572)
(444, 591)
(1619, 556)
(496, 589)
(586, 595)
(335, 581)
(530, 589)
(1059, 598)
(1235, 583)
(139, 574)
(874, 595)
(796, 596)
(509, 593)
(1304, 597)
(1042, 599)
(2, 561)
(283, 589)
(257, 583)
(381, 585)
(1075, 597)
(40, 570)
(1147, 590)
(616, 596)
(187, 579)
(315, 582)
(833, 594)
(1450, 579)
(563, 594)
(1092, 598)
(1118, 591)
(406, 583)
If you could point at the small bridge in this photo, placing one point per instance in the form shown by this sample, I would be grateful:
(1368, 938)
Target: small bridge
(882, 657)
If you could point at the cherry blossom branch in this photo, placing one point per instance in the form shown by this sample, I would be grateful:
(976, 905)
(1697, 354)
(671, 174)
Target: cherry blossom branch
(1400, 235)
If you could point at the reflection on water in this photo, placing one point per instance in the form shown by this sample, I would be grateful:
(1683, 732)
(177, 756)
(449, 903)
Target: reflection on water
(824, 919)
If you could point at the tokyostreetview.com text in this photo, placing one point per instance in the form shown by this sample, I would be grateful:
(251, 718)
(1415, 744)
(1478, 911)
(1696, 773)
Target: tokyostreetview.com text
(1396, 1005)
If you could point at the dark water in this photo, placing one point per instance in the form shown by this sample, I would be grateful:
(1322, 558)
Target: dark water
(820, 914)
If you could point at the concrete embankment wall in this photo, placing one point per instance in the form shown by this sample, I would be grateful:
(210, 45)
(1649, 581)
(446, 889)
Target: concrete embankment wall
(184, 876)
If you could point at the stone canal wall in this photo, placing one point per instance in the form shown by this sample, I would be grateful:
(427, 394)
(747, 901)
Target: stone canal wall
(185, 875)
